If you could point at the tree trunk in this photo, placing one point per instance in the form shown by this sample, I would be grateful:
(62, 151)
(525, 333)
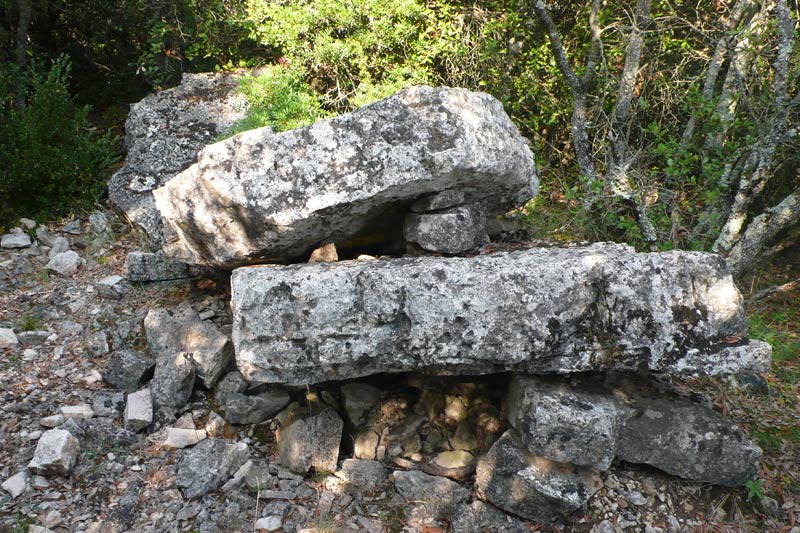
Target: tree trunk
(23, 24)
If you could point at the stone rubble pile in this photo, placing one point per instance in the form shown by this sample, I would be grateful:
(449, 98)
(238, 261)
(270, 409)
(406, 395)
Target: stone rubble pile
(478, 389)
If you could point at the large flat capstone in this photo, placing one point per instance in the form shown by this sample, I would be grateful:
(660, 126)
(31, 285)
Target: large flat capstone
(542, 310)
(349, 180)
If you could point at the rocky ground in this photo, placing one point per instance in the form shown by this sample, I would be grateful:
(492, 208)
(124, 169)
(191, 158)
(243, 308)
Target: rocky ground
(69, 325)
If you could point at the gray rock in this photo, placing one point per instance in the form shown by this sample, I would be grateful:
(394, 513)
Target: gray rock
(128, 369)
(269, 523)
(97, 343)
(231, 383)
(172, 384)
(112, 287)
(59, 246)
(261, 195)
(73, 227)
(183, 438)
(13, 241)
(44, 236)
(17, 484)
(108, 403)
(308, 438)
(145, 267)
(56, 453)
(364, 474)
(516, 481)
(242, 409)
(65, 263)
(138, 410)
(33, 337)
(543, 310)
(359, 400)
(689, 441)
(585, 423)
(79, 412)
(8, 339)
(181, 330)
(27, 223)
(566, 424)
(435, 496)
(452, 231)
(438, 201)
(163, 134)
(100, 224)
(206, 466)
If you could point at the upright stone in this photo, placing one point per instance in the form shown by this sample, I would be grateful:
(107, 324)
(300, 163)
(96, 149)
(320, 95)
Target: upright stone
(163, 134)
(544, 310)
(515, 480)
(260, 195)
(56, 453)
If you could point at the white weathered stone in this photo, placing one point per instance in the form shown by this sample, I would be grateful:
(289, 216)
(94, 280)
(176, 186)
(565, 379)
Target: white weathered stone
(269, 523)
(8, 339)
(11, 241)
(17, 484)
(52, 421)
(260, 195)
(56, 453)
(543, 310)
(80, 412)
(65, 263)
(138, 410)
(181, 438)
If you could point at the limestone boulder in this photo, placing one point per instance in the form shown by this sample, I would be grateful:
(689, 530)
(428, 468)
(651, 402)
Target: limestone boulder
(263, 196)
(557, 310)
(163, 134)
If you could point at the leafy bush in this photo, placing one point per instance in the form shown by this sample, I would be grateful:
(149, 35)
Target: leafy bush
(278, 98)
(51, 162)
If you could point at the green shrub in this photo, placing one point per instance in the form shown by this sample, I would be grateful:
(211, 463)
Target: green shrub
(51, 161)
(279, 98)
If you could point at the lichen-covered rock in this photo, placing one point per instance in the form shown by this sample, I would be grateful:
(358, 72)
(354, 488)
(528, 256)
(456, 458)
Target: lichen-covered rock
(128, 369)
(163, 134)
(451, 231)
(587, 422)
(429, 496)
(542, 310)
(308, 437)
(206, 466)
(145, 267)
(261, 195)
(689, 441)
(172, 384)
(65, 263)
(515, 480)
(364, 474)
(564, 423)
(181, 330)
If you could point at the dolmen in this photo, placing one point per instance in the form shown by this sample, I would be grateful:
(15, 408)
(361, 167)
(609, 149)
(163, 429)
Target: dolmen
(581, 336)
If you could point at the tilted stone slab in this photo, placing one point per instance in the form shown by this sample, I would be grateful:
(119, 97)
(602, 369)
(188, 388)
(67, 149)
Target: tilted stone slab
(542, 310)
(266, 196)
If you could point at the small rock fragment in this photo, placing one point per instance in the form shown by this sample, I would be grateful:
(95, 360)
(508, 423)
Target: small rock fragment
(172, 382)
(58, 246)
(52, 421)
(56, 453)
(65, 263)
(8, 339)
(269, 523)
(308, 437)
(326, 253)
(359, 400)
(441, 200)
(80, 412)
(364, 474)
(452, 231)
(15, 241)
(243, 409)
(16, 484)
(182, 438)
(112, 287)
(139, 410)
(143, 266)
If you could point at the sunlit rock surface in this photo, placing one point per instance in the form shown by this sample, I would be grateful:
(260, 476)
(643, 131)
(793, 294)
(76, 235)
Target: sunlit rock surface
(542, 310)
(348, 180)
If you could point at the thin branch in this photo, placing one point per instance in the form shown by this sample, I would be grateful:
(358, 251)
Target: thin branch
(769, 291)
